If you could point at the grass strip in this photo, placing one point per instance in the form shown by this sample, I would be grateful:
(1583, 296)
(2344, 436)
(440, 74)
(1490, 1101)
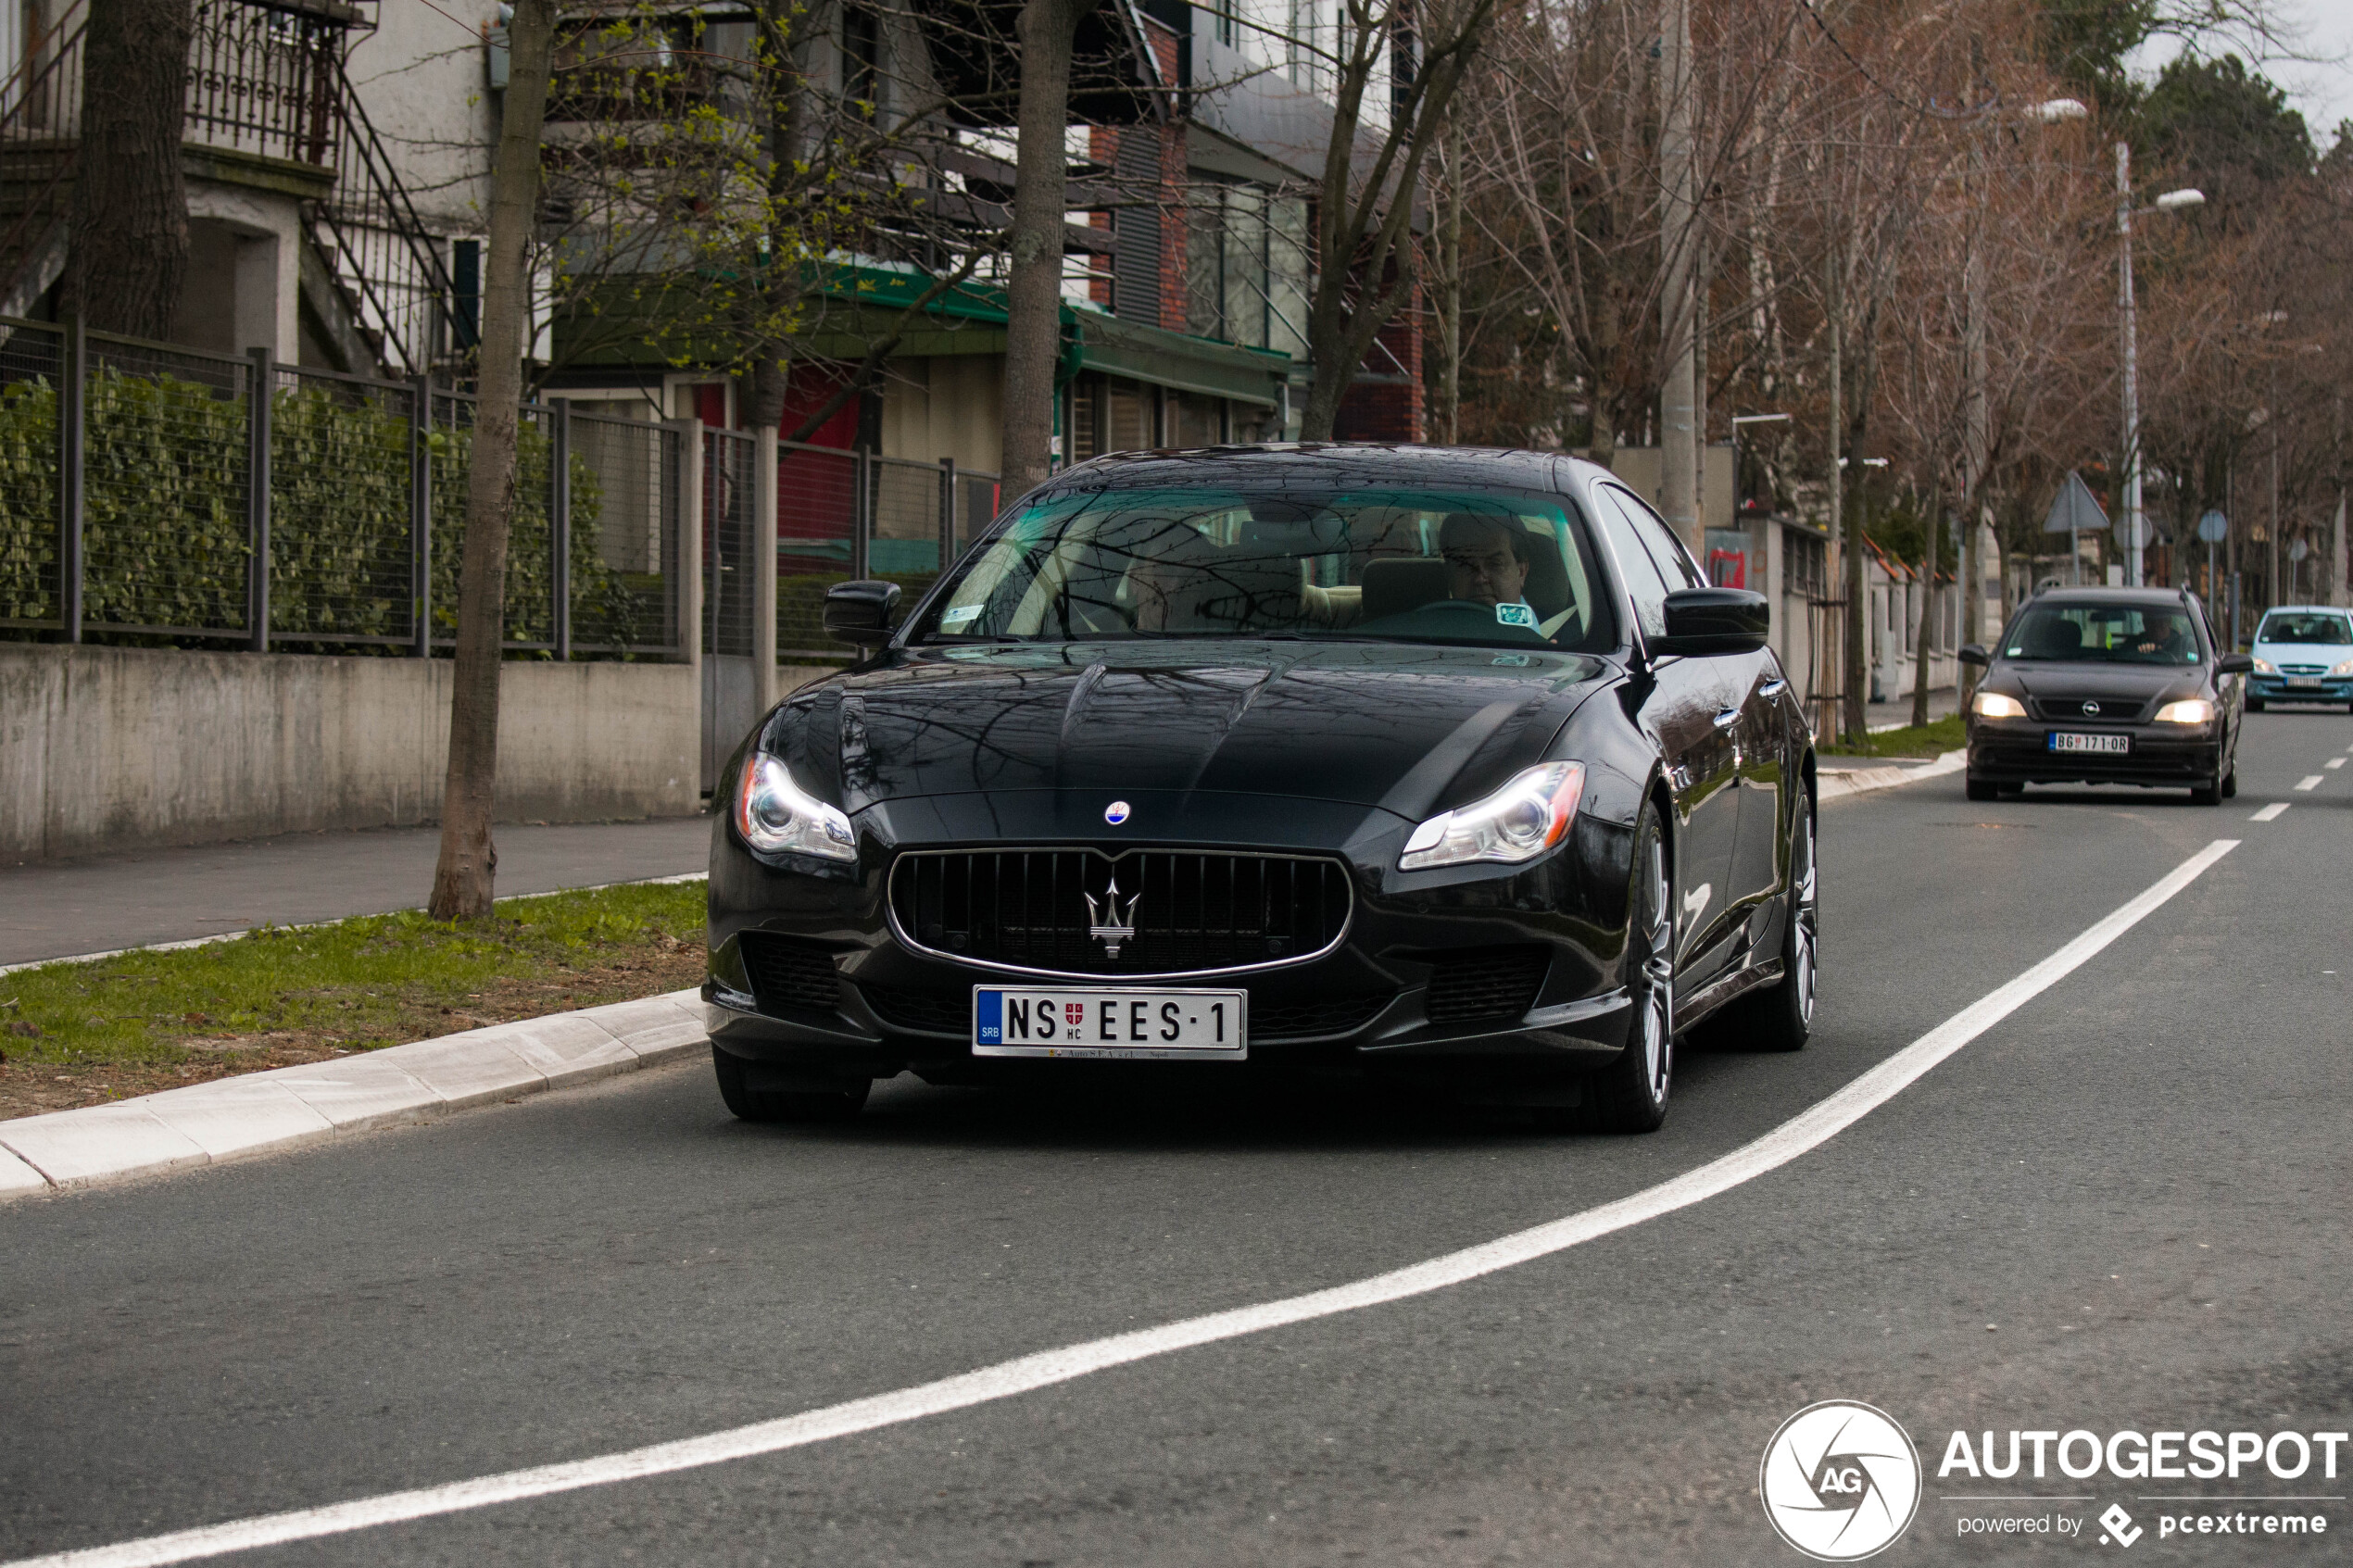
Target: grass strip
(1948, 733)
(81, 1034)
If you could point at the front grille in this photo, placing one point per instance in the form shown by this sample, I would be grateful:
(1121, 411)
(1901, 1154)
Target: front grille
(1491, 984)
(2303, 668)
(2070, 709)
(950, 1012)
(787, 975)
(1189, 910)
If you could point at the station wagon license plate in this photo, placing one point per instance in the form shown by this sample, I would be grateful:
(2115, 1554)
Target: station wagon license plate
(2063, 741)
(2304, 683)
(1114, 1022)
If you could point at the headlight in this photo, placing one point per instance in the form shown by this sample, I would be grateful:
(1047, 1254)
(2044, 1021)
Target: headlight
(777, 816)
(1994, 705)
(2189, 710)
(2263, 667)
(2342, 671)
(1517, 822)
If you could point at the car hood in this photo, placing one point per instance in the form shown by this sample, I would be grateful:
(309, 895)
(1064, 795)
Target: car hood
(2328, 655)
(2136, 682)
(1371, 724)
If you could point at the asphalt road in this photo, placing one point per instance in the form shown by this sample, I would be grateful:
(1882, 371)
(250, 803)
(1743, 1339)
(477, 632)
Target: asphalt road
(2122, 1207)
(58, 908)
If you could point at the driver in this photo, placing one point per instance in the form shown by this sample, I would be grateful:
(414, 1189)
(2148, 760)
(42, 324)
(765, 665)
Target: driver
(2166, 641)
(1487, 559)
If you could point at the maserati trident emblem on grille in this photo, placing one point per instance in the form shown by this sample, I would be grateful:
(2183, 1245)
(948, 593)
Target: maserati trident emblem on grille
(1109, 923)
(2091, 711)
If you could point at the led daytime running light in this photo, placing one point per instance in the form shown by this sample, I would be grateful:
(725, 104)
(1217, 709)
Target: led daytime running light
(1519, 821)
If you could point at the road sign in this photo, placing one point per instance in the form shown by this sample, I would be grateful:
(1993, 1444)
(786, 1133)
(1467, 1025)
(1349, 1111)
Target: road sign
(2214, 528)
(2298, 550)
(2075, 510)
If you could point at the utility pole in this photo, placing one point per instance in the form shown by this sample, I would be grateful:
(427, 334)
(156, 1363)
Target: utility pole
(1678, 397)
(2132, 509)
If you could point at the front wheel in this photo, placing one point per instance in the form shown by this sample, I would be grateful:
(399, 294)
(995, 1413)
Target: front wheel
(2230, 782)
(2255, 704)
(1979, 789)
(803, 1106)
(1783, 1018)
(1630, 1094)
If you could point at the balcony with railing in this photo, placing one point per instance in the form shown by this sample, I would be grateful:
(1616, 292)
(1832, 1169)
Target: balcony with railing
(268, 105)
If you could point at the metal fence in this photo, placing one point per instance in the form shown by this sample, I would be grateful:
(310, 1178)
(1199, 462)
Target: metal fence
(152, 494)
(845, 515)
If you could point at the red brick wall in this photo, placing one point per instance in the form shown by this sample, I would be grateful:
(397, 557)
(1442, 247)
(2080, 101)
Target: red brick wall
(1384, 405)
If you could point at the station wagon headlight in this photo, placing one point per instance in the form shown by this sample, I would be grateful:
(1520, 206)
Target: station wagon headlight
(1517, 822)
(1994, 705)
(2342, 671)
(776, 816)
(2263, 667)
(2189, 710)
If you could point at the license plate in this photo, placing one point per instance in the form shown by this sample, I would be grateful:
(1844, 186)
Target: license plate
(2063, 741)
(1116, 1023)
(2304, 683)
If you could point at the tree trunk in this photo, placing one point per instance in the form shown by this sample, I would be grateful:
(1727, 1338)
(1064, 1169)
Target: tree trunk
(778, 24)
(1920, 641)
(1033, 292)
(463, 882)
(1841, 547)
(127, 253)
(1678, 394)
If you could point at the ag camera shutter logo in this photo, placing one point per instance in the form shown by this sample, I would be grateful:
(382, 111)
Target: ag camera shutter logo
(1840, 1481)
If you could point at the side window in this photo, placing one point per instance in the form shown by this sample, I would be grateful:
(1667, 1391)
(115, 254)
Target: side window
(1674, 561)
(1643, 584)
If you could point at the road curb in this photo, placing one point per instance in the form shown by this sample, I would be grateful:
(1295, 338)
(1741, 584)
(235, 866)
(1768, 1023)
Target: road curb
(1833, 784)
(289, 1107)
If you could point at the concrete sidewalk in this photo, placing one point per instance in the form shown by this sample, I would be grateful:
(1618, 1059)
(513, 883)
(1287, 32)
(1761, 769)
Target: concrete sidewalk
(52, 909)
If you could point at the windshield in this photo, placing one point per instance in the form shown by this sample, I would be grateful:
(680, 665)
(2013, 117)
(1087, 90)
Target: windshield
(1455, 566)
(2103, 634)
(2283, 627)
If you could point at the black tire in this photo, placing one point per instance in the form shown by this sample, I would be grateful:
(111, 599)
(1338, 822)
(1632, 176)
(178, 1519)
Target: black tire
(1631, 1095)
(2255, 704)
(2009, 791)
(1781, 1019)
(781, 1105)
(2230, 782)
(1979, 789)
(2212, 795)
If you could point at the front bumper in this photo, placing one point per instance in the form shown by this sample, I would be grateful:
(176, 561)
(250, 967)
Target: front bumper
(2277, 688)
(1388, 999)
(2018, 751)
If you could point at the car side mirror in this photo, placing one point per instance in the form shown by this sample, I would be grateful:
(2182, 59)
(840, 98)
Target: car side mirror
(860, 612)
(2234, 664)
(1714, 620)
(1974, 653)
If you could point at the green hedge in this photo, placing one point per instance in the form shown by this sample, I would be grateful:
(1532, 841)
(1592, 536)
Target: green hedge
(164, 524)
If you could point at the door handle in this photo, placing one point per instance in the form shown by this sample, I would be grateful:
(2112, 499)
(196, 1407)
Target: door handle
(1772, 689)
(1730, 717)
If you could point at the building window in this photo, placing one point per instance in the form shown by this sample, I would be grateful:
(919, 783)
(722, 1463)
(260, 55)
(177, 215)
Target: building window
(1246, 266)
(861, 59)
(1223, 13)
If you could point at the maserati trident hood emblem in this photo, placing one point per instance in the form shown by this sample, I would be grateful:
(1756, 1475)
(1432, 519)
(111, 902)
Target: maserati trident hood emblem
(1110, 924)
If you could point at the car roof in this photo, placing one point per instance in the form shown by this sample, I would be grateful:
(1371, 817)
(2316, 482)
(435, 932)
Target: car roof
(2104, 596)
(1326, 462)
(2310, 609)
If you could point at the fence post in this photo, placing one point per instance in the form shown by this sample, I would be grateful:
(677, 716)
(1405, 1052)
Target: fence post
(763, 565)
(421, 511)
(947, 512)
(258, 401)
(689, 598)
(72, 373)
(559, 525)
(861, 509)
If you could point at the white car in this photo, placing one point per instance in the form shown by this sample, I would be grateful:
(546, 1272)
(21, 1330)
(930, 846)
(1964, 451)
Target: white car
(2302, 652)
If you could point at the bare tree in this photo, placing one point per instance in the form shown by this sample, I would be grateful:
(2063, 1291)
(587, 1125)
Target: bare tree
(127, 249)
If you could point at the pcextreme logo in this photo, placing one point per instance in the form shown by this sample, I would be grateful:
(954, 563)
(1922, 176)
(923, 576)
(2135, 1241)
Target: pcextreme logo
(1840, 1481)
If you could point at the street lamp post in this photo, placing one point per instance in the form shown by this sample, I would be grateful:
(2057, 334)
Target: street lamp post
(2136, 525)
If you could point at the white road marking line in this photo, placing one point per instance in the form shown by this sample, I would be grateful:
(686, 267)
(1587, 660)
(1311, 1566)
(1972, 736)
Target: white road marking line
(2333, 762)
(2310, 781)
(2271, 812)
(1808, 1130)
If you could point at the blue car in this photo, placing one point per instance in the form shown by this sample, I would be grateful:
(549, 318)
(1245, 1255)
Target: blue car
(2302, 652)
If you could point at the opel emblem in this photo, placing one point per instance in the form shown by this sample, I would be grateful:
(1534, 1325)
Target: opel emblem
(1110, 924)
(2091, 711)
(1115, 814)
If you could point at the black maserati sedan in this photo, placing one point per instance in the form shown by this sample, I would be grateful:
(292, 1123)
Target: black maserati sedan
(2107, 685)
(1440, 767)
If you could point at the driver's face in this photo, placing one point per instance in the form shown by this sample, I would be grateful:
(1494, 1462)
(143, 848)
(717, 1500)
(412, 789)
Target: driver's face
(1481, 569)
